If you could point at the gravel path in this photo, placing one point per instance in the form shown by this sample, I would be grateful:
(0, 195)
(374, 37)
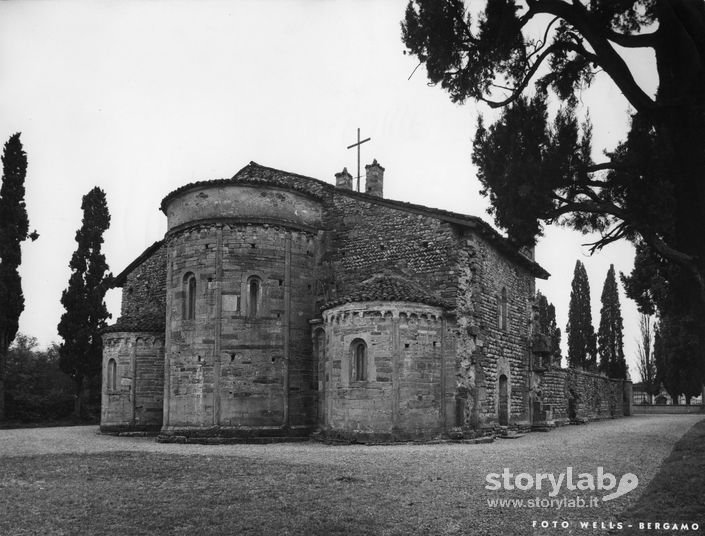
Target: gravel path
(453, 471)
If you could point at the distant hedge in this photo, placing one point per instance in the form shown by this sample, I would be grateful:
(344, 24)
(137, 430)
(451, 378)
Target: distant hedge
(36, 390)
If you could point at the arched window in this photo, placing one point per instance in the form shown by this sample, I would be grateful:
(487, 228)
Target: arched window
(254, 289)
(503, 309)
(189, 296)
(359, 361)
(112, 375)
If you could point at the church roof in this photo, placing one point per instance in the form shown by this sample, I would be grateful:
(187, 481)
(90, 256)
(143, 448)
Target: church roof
(386, 288)
(256, 174)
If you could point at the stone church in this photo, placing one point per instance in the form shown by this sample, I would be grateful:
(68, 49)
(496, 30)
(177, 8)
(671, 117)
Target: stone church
(281, 306)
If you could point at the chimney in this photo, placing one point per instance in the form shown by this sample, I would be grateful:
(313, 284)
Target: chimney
(374, 178)
(343, 180)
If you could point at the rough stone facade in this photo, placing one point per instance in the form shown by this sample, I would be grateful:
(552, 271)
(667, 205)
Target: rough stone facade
(133, 381)
(280, 305)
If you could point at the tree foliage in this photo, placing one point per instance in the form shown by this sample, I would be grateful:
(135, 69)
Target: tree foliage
(610, 339)
(661, 287)
(86, 313)
(14, 229)
(37, 390)
(650, 189)
(548, 325)
(580, 332)
(678, 364)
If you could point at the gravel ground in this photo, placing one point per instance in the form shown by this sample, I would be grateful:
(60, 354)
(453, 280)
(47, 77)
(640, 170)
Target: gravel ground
(451, 473)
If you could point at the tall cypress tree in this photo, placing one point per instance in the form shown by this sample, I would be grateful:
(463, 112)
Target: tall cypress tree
(610, 333)
(81, 352)
(14, 229)
(581, 334)
(548, 325)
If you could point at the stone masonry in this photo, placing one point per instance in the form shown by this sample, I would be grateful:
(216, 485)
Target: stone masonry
(278, 305)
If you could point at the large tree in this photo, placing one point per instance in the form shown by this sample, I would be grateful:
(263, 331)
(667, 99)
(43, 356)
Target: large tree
(581, 333)
(86, 313)
(14, 229)
(518, 55)
(610, 339)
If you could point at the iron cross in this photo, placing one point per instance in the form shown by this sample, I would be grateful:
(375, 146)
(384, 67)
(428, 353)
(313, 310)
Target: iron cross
(358, 155)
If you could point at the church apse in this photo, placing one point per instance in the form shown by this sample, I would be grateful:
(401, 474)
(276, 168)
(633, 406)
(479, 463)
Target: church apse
(241, 261)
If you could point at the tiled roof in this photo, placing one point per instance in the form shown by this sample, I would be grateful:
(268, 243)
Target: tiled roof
(386, 288)
(256, 174)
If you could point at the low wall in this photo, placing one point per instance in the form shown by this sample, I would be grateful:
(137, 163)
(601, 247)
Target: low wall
(569, 395)
(663, 409)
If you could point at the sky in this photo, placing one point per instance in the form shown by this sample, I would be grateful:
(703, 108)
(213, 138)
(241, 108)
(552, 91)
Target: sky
(139, 98)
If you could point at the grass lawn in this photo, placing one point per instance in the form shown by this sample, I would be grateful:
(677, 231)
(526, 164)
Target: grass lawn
(677, 492)
(309, 489)
(139, 493)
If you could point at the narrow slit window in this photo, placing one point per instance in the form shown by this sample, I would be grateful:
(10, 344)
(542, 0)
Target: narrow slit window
(189, 296)
(359, 350)
(112, 375)
(254, 288)
(503, 310)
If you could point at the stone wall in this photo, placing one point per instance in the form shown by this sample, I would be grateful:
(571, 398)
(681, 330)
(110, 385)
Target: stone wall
(228, 368)
(493, 338)
(143, 294)
(409, 365)
(133, 381)
(568, 395)
(368, 238)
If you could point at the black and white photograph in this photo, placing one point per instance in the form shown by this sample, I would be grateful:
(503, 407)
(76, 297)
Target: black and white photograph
(352, 267)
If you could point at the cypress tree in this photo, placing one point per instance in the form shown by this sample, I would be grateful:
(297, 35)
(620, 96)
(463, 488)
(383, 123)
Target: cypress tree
(14, 229)
(581, 334)
(609, 335)
(80, 354)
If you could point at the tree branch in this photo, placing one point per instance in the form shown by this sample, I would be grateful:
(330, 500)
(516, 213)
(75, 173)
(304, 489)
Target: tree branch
(606, 166)
(613, 235)
(633, 41)
(577, 16)
(527, 78)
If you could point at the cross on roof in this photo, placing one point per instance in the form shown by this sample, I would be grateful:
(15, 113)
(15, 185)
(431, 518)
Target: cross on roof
(358, 155)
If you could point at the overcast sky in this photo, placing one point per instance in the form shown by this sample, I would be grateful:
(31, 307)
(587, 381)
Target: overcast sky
(140, 98)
